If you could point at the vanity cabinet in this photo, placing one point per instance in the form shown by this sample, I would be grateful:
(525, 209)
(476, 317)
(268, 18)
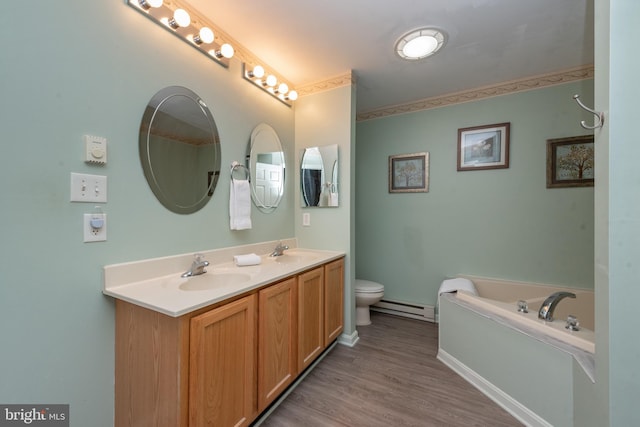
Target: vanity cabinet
(333, 300)
(320, 310)
(224, 364)
(277, 339)
(310, 316)
(222, 355)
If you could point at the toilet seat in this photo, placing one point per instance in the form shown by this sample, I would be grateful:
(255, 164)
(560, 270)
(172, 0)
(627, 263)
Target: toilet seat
(368, 287)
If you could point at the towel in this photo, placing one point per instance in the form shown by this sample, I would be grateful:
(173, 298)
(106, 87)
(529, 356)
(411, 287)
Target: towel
(240, 204)
(457, 284)
(247, 259)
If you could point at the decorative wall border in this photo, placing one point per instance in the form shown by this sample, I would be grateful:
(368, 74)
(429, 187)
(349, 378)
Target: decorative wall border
(514, 86)
(331, 83)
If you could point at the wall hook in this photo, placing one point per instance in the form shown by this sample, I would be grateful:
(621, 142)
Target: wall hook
(599, 115)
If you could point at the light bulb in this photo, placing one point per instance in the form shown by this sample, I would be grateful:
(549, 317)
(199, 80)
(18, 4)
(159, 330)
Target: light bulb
(283, 88)
(148, 4)
(227, 50)
(271, 80)
(292, 96)
(257, 72)
(204, 36)
(180, 18)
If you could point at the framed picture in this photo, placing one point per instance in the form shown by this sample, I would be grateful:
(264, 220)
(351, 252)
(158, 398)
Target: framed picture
(570, 162)
(409, 173)
(483, 147)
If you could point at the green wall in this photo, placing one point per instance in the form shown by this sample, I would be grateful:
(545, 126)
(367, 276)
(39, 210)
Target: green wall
(500, 223)
(73, 68)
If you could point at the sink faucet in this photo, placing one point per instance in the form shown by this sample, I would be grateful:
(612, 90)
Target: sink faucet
(279, 250)
(197, 266)
(549, 304)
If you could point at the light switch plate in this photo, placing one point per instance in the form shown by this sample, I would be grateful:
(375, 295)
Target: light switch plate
(306, 219)
(88, 188)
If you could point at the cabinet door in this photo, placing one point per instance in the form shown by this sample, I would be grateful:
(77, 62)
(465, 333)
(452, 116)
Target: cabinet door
(277, 337)
(333, 300)
(222, 364)
(310, 316)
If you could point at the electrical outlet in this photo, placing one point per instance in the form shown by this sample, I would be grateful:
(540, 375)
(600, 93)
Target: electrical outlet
(95, 227)
(88, 188)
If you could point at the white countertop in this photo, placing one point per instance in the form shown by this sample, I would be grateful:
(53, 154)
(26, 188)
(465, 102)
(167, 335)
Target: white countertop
(157, 283)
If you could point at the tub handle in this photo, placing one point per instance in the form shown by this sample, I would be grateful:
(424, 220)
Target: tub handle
(572, 323)
(523, 307)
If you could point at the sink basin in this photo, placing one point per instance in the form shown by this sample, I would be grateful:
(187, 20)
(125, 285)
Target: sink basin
(294, 257)
(212, 280)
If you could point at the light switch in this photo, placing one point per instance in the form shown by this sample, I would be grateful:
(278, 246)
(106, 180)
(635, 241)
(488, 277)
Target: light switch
(306, 219)
(88, 188)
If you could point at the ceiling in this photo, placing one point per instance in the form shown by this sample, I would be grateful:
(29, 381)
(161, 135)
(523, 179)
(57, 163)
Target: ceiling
(489, 41)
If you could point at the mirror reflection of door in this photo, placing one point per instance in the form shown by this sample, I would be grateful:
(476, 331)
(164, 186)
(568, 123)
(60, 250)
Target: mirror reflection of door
(269, 181)
(311, 176)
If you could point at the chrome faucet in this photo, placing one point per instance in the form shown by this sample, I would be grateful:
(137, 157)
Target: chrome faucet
(279, 250)
(197, 266)
(549, 305)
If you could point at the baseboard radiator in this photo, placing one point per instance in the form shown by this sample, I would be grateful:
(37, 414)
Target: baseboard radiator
(405, 309)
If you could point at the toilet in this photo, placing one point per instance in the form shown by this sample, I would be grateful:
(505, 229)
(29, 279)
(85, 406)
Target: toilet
(367, 293)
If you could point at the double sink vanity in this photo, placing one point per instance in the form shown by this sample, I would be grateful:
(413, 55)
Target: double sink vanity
(220, 347)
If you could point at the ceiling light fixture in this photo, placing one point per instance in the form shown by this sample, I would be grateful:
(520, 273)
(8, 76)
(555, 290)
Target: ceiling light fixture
(419, 44)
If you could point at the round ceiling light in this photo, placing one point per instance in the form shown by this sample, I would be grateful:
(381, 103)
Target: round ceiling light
(419, 44)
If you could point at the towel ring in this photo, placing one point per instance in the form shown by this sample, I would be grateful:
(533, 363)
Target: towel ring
(237, 166)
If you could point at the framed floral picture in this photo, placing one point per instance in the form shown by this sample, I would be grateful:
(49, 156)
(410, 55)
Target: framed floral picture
(483, 147)
(409, 173)
(570, 162)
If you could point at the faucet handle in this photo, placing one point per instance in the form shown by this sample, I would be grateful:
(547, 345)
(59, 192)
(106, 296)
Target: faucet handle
(523, 307)
(572, 323)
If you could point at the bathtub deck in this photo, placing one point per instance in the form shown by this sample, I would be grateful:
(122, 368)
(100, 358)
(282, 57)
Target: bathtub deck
(390, 378)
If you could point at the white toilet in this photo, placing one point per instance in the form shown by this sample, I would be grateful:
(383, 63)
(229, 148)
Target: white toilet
(367, 293)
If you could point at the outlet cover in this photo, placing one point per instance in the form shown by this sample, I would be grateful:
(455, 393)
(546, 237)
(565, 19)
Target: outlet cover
(91, 233)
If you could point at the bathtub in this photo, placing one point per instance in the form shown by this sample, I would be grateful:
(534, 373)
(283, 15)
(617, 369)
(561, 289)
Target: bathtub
(526, 365)
(501, 297)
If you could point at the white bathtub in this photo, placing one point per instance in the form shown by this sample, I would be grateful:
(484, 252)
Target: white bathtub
(528, 366)
(501, 297)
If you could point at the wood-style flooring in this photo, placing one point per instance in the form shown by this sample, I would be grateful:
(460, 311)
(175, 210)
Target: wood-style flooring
(390, 378)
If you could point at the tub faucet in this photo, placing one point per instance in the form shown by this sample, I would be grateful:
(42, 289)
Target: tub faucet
(279, 250)
(549, 305)
(197, 266)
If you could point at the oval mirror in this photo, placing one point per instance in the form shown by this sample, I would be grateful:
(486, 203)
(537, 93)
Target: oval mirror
(266, 167)
(180, 149)
(319, 176)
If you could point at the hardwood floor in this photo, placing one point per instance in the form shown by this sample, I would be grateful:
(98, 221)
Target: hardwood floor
(390, 378)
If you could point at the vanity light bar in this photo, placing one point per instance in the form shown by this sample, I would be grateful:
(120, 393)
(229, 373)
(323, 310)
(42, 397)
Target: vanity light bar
(186, 23)
(270, 82)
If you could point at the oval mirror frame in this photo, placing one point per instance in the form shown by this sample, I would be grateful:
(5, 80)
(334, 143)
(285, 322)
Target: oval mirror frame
(179, 149)
(266, 166)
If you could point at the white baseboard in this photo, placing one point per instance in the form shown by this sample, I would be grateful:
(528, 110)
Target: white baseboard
(349, 340)
(509, 404)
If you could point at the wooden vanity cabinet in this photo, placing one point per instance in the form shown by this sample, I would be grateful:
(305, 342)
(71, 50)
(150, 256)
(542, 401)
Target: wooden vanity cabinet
(320, 310)
(222, 360)
(277, 339)
(224, 364)
(310, 316)
(333, 300)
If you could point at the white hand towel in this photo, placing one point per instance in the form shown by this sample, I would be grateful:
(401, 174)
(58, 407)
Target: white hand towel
(247, 259)
(240, 204)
